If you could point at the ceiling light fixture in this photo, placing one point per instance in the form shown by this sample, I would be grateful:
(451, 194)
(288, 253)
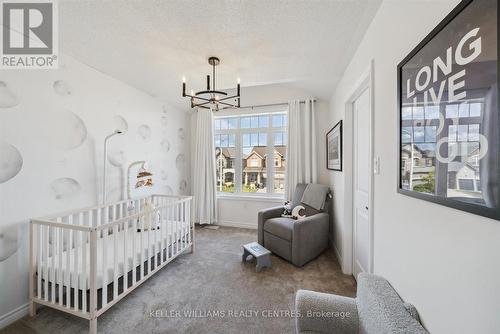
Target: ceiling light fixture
(212, 98)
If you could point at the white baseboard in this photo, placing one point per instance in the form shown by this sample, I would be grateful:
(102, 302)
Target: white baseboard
(238, 224)
(14, 315)
(337, 254)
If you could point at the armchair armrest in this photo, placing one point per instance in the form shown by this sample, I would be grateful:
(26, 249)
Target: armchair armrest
(264, 215)
(325, 313)
(310, 238)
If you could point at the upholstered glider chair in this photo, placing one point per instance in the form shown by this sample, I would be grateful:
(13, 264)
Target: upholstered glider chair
(297, 241)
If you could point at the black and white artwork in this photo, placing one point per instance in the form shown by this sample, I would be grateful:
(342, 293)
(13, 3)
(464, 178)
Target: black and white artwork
(334, 148)
(448, 113)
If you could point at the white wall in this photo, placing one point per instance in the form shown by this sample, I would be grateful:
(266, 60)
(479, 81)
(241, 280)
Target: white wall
(242, 212)
(58, 130)
(443, 260)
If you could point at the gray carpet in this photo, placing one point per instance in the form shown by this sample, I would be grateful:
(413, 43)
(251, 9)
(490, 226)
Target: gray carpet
(212, 280)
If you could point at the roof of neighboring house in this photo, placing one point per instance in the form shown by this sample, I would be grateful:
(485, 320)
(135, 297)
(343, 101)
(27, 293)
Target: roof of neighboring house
(230, 152)
(455, 166)
(262, 151)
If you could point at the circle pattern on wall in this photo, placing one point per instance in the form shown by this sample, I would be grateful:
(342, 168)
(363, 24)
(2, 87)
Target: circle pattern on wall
(63, 129)
(120, 123)
(65, 188)
(165, 145)
(114, 195)
(181, 133)
(167, 190)
(180, 161)
(7, 98)
(8, 242)
(11, 162)
(183, 186)
(62, 88)
(117, 158)
(144, 132)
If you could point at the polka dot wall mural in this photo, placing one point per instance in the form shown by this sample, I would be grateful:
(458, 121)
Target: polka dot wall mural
(167, 190)
(180, 162)
(165, 145)
(144, 132)
(117, 158)
(11, 162)
(183, 186)
(163, 117)
(63, 129)
(62, 88)
(120, 123)
(65, 188)
(7, 98)
(8, 242)
(181, 133)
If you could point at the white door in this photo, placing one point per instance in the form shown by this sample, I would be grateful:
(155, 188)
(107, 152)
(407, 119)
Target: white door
(361, 183)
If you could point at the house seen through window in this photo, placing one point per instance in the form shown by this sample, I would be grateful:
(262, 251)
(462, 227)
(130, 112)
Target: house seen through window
(250, 153)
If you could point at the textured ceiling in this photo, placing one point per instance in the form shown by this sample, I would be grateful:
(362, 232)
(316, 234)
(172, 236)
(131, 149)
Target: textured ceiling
(151, 45)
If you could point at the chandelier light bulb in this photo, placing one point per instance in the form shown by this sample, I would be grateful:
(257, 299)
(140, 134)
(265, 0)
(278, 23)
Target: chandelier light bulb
(211, 98)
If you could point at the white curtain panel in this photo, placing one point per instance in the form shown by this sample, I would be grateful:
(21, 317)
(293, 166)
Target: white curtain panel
(204, 177)
(301, 158)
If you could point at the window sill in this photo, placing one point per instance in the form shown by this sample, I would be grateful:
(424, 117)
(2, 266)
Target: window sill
(257, 198)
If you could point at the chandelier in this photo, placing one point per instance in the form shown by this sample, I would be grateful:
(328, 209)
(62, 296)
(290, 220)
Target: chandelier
(211, 98)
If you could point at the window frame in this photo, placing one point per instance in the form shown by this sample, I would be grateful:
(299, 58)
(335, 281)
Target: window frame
(238, 163)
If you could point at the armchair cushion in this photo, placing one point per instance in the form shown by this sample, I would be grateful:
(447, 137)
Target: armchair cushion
(280, 227)
(264, 215)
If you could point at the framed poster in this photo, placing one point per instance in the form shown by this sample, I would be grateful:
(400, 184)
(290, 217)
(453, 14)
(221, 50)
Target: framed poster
(334, 148)
(448, 147)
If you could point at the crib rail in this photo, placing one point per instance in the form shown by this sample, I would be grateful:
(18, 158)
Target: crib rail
(83, 262)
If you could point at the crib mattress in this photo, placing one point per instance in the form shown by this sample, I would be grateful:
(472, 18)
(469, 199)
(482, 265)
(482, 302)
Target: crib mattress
(106, 256)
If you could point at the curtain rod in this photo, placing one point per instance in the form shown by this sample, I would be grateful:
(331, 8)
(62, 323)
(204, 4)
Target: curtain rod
(270, 105)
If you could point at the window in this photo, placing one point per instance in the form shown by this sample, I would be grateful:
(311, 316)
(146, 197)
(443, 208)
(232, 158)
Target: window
(251, 153)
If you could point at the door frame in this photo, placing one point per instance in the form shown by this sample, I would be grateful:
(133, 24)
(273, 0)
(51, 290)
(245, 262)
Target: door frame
(364, 82)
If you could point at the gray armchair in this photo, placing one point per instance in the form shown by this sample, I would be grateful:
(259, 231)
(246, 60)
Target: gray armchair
(377, 309)
(298, 241)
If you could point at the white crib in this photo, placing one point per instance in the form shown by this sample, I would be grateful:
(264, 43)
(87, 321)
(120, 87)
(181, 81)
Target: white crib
(83, 262)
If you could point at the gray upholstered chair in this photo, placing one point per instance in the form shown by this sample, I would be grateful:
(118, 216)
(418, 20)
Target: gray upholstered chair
(377, 309)
(298, 241)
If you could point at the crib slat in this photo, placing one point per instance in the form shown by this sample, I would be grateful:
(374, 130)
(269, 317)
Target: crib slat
(105, 258)
(141, 234)
(46, 264)
(85, 241)
(60, 249)
(188, 212)
(134, 249)
(115, 255)
(125, 256)
(163, 232)
(76, 276)
(178, 231)
(39, 240)
(69, 246)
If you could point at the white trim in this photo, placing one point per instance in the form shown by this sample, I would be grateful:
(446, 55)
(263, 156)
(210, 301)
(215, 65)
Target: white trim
(339, 257)
(254, 198)
(366, 81)
(14, 315)
(228, 223)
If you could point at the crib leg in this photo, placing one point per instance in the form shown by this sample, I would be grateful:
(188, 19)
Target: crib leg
(93, 326)
(32, 309)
